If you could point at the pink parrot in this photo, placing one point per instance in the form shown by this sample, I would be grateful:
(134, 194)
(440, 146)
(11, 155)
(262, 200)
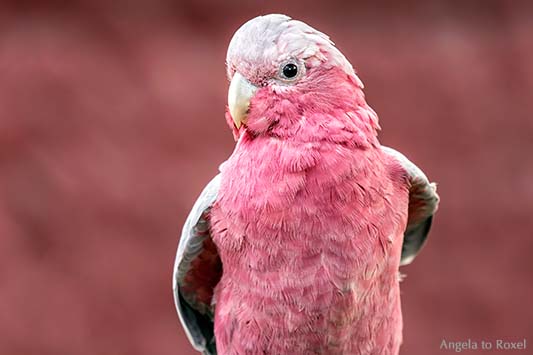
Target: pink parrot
(294, 248)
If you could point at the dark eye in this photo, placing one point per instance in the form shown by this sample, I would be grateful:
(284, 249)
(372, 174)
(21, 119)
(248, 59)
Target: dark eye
(290, 70)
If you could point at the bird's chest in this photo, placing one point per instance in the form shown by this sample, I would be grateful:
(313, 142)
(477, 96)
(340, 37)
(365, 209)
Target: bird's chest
(280, 200)
(307, 250)
(286, 210)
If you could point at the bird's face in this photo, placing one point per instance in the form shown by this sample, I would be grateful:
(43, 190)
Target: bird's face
(282, 70)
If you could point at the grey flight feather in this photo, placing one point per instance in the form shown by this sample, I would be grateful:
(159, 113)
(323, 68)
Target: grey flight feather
(423, 203)
(198, 325)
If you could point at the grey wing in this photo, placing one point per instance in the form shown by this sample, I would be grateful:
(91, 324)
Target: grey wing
(423, 203)
(197, 270)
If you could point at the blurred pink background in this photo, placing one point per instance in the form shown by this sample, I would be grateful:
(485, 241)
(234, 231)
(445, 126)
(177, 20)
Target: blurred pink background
(111, 122)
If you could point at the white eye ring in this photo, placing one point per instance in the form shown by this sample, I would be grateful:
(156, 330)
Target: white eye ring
(291, 71)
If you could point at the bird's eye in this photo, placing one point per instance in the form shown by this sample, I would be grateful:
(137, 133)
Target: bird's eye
(290, 70)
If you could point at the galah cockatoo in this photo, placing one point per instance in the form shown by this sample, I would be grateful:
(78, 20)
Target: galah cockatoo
(294, 247)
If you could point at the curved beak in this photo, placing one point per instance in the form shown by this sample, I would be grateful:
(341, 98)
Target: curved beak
(240, 93)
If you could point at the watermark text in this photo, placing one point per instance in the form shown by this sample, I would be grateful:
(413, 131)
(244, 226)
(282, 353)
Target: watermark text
(469, 344)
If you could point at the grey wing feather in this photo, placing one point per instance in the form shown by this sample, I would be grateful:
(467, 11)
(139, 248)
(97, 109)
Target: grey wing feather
(423, 203)
(197, 324)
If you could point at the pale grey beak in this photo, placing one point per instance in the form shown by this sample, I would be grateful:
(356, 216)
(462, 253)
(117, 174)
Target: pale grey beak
(240, 93)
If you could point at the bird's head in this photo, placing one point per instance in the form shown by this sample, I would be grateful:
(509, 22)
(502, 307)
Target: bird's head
(286, 75)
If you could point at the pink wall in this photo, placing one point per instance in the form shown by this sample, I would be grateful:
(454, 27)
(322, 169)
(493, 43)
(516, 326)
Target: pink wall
(111, 122)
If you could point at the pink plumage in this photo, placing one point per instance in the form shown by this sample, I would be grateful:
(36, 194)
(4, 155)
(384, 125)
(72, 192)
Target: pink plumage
(310, 212)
